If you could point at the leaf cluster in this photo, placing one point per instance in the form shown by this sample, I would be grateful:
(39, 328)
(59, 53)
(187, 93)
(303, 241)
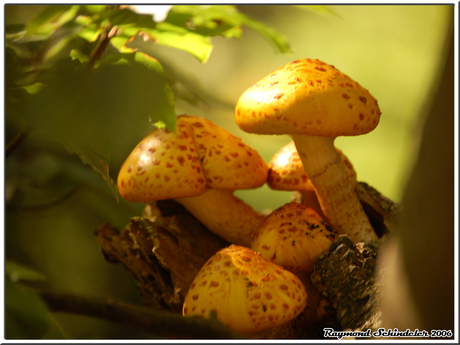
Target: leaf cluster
(75, 67)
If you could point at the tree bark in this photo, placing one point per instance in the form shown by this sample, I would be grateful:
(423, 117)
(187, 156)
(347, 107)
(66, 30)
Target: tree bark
(166, 247)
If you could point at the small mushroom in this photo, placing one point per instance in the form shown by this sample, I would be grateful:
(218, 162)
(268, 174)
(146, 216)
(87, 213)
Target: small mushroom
(286, 172)
(199, 166)
(248, 292)
(314, 103)
(293, 236)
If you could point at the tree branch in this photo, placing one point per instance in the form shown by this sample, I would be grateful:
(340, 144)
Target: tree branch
(160, 324)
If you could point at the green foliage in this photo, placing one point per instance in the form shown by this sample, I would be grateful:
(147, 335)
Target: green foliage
(71, 73)
(16, 272)
(66, 66)
(26, 315)
(222, 20)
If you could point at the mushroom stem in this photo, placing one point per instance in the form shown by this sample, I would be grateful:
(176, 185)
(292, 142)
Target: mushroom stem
(225, 215)
(310, 199)
(336, 194)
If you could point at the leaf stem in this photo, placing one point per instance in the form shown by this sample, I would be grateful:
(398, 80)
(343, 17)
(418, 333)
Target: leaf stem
(106, 36)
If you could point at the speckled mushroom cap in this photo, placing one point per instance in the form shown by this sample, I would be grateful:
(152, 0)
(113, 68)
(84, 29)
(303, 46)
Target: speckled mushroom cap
(286, 171)
(227, 162)
(293, 236)
(199, 156)
(307, 97)
(248, 293)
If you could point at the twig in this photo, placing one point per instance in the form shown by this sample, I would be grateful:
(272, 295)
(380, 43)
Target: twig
(18, 139)
(160, 324)
(108, 34)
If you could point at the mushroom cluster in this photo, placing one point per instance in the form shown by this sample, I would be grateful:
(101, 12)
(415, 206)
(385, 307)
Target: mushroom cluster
(252, 284)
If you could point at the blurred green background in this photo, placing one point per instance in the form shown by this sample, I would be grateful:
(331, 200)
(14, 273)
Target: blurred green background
(393, 51)
(54, 202)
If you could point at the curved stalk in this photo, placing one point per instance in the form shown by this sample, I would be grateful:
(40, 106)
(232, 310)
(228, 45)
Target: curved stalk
(336, 194)
(225, 215)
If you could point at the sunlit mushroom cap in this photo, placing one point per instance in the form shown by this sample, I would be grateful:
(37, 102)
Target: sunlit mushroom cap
(198, 156)
(248, 293)
(227, 162)
(286, 171)
(293, 236)
(307, 97)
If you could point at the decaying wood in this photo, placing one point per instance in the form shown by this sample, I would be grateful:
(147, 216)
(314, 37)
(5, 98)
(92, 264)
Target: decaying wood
(347, 273)
(163, 251)
(346, 276)
(382, 212)
(165, 248)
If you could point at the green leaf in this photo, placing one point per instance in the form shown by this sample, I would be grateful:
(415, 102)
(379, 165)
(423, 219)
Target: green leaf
(159, 124)
(96, 9)
(17, 272)
(14, 66)
(126, 17)
(132, 57)
(26, 315)
(90, 32)
(131, 23)
(52, 17)
(94, 160)
(14, 28)
(119, 42)
(78, 108)
(38, 181)
(148, 61)
(279, 41)
(76, 54)
(67, 16)
(180, 38)
(57, 47)
(115, 59)
(33, 88)
(43, 19)
(206, 20)
(223, 20)
(168, 117)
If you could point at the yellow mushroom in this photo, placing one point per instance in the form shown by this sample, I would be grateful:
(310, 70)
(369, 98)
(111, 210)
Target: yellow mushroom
(314, 103)
(199, 166)
(293, 236)
(286, 172)
(248, 292)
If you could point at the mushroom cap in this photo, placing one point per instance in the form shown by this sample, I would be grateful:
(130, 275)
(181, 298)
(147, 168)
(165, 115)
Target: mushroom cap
(248, 293)
(309, 97)
(293, 236)
(198, 156)
(227, 162)
(286, 171)
(162, 166)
